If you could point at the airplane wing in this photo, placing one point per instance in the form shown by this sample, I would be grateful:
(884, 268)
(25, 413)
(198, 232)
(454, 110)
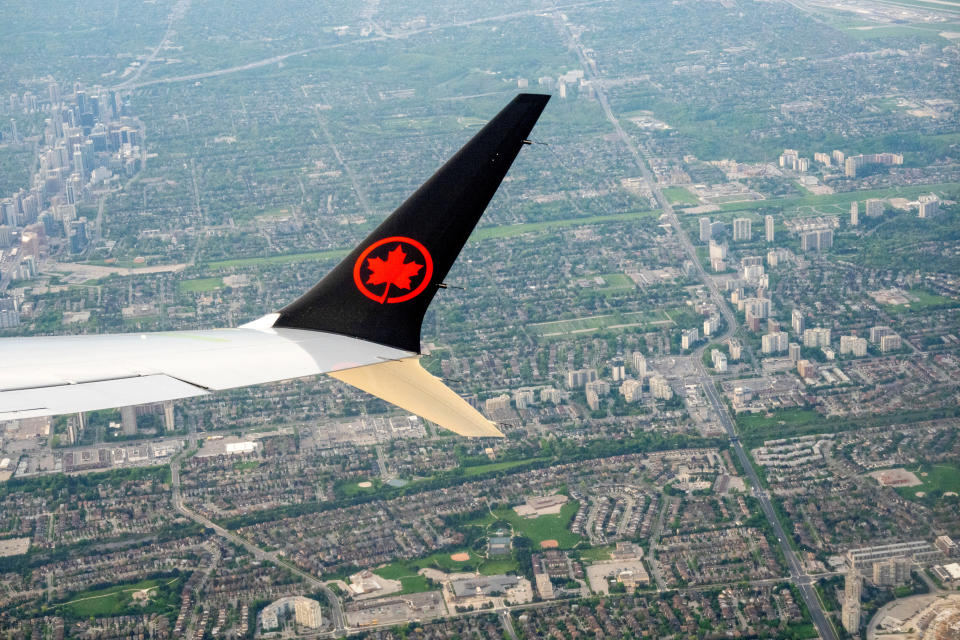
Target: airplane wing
(360, 324)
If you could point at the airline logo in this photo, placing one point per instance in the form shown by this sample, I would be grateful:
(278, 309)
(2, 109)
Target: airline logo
(394, 269)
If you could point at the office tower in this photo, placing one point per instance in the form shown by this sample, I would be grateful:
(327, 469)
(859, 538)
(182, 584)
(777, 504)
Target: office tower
(769, 227)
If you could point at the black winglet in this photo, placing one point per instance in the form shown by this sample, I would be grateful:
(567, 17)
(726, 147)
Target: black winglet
(381, 291)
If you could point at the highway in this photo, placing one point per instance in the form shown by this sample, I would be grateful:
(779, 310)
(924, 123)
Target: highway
(337, 617)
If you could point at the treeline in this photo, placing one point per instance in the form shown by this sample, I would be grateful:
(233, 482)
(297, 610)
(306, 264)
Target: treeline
(552, 452)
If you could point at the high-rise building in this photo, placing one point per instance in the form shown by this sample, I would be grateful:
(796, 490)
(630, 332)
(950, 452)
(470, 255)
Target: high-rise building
(639, 365)
(875, 207)
(892, 572)
(822, 158)
(757, 307)
(660, 388)
(706, 232)
(854, 214)
(718, 250)
(816, 240)
(617, 369)
(789, 159)
(819, 337)
(877, 332)
(928, 206)
(774, 342)
(853, 345)
(850, 611)
(768, 227)
(838, 157)
(796, 321)
(719, 360)
(853, 164)
(793, 351)
(741, 229)
(710, 325)
(806, 369)
(736, 349)
(523, 398)
(580, 377)
(631, 390)
(498, 403)
(891, 342)
(688, 338)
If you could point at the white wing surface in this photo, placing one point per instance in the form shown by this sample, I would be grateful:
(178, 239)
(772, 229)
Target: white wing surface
(65, 374)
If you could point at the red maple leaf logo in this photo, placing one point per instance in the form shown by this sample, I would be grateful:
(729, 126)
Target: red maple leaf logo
(394, 271)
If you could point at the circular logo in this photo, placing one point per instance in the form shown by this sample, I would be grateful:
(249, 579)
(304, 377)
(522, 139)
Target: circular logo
(393, 269)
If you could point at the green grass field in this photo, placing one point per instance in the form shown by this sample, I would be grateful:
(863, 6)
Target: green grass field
(406, 570)
(594, 323)
(939, 477)
(925, 301)
(679, 195)
(596, 554)
(513, 230)
(287, 258)
(111, 601)
(495, 466)
(754, 427)
(544, 527)
(352, 488)
(200, 285)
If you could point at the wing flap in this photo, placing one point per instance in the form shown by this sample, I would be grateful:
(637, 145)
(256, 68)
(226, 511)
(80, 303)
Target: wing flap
(409, 386)
(90, 396)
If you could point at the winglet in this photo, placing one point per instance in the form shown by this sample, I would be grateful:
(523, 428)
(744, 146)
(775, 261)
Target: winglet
(381, 291)
(409, 386)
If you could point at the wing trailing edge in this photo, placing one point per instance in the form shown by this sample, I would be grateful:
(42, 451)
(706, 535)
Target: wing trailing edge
(406, 384)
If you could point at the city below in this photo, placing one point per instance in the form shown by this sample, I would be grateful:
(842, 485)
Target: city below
(714, 307)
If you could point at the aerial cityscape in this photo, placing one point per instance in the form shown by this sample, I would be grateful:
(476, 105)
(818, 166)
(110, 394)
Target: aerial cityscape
(714, 307)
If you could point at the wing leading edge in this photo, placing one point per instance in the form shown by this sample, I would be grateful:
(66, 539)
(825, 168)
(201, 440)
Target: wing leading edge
(360, 324)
